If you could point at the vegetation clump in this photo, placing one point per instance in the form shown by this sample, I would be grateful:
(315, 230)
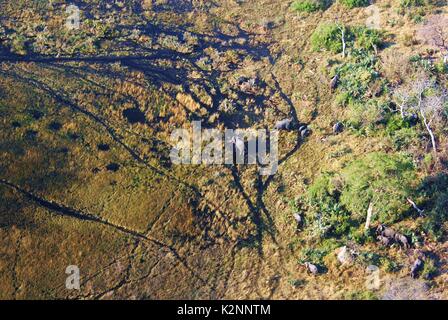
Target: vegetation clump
(355, 3)
(336, 37)
(411, 3)
(339, 201)
(310, 5)
(328, 37)
(383, 180)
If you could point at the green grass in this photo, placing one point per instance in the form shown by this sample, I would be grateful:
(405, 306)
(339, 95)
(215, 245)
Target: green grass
(411, 3)
(355, 3)
(310, 5)
(328, 37)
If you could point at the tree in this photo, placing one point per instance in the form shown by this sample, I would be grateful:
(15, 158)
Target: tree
(342, 30)
(332, 37)
(435, 33)
(402, 98)
(378, 184)
(432, 109)
(426, 98)
(344, 44)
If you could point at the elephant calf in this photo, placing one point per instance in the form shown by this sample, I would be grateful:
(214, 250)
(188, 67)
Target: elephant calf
(311, 268)
(285, 124)
(416, 267)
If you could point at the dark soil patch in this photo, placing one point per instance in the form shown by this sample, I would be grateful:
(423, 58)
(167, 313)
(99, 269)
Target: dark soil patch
(63, 150)
(31, 134)
(134, 115)
(114, 167)
(73, 136)
(103, 147)
(55, 126)
(36, 114)
(16, 124)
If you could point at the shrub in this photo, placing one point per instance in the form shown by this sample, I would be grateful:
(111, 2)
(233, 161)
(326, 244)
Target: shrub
(365, 115)
(441, 67)
(401, 131)
(396, 123)
(328, 37)
(367, 38)
(310, 5)
(390, 265)
(378, 178)
(429, 269)
(342, 99)
(404, 137)
(361, 236)
(312, 255)
(369, 258)
(357, 74)
(355, 3)
(19, 44)
(317, 254)
(434, 189)
(411, 3)
(361, 295)
(330, 217)
(432, 227)
(440, 207)
(321, 189)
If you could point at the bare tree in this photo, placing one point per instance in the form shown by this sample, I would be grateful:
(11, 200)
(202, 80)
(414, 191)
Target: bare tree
(426, 98)
(402, 97)
(343, 31)
(432, 109)
(369, 216)
(435, 33)
(344, 44)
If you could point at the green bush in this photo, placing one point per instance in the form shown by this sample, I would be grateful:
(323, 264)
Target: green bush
(390, 265)
(342, 99)
(321, 189)
(355, 3)
(361, 236)
(403, 138)
(365, 115)
(367, 38)
(19, 44)
(434, 190)
(317, 254)
(401, 132)
(369, 258)
(411, 3)
(440, 209)
(357, 74)
(328, 37)
(310, 5)
(423, 63)
(441, 67)
(381, 179)
(361, 295)
(330, 218)
(429, 269)
(312, 255)
(396, 123)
